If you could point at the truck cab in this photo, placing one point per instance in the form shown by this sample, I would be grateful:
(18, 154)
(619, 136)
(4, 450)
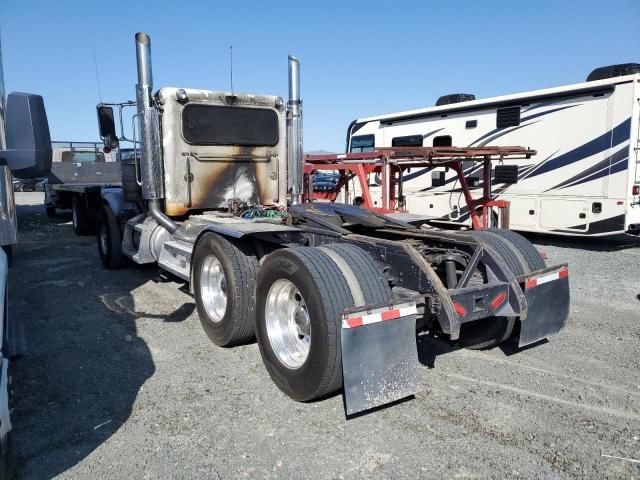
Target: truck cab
(224, 148)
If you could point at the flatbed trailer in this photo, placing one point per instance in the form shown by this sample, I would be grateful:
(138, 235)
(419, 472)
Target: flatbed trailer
(79, 173)
(333, 293)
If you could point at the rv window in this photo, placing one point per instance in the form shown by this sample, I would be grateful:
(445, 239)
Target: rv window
(82, 157)
(217, 125)
(442, 141)
(362, 143)
(408, 141)
(508, 117)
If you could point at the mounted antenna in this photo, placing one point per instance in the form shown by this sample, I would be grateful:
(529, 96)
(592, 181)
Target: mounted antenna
(95, 64)
(231, 68)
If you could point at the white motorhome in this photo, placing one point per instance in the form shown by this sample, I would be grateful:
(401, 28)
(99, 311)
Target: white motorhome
(584, 180)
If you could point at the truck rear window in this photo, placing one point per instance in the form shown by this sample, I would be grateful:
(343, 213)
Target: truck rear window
(218, 125)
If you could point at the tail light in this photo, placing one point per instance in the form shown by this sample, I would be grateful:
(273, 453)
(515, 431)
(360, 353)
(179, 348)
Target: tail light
(460, 310)
(635, 190)
(499, 300)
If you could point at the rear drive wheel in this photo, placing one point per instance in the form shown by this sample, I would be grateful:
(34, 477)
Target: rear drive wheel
(530, 253)
(492, 331)
(110, 240)
(300, 297)
(224, 276)
(82, 222)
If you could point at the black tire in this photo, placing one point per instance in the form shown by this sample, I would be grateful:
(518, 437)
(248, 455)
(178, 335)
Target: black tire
(83, 224)
(7, 450)
(51, 211)
(529, 252)
(509, 253)
(240, 267)
(326, 294)
(374, 284)
(492, 331)
(110, 240)
(7, 457)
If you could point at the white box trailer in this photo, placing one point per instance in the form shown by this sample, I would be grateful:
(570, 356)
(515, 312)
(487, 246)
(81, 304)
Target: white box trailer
(585, 179)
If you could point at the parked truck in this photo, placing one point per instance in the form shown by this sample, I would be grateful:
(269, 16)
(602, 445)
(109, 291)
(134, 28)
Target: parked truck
(333, 293)
(25, 149)
(79, 172)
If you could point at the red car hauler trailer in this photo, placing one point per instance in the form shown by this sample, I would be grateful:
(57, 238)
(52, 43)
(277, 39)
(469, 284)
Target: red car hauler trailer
(333, 293)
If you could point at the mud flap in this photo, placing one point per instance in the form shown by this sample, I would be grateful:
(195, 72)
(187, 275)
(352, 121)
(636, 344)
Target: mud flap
(547, 295)
(379, 356)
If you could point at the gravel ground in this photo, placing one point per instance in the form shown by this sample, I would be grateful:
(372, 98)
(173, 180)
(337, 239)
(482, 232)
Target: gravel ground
(119, 381)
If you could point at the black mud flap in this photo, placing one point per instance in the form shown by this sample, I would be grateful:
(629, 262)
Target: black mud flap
(547, 295)
(379, 356)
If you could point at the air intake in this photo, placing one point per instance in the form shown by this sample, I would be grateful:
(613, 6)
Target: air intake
(455, 98)
(611, 71)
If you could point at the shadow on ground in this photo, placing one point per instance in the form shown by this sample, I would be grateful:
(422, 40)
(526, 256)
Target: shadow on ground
(84, 364)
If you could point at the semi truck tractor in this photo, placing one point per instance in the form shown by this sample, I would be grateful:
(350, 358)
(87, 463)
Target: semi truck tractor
(333, 294)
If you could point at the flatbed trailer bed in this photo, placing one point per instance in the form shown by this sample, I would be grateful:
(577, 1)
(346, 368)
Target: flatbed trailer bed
(79, 187)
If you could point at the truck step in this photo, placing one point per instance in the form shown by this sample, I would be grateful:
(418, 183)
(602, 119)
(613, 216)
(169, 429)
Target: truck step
(175, 257)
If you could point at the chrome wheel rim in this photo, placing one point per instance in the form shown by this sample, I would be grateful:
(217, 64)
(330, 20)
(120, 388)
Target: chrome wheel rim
(213, 288)
(288, 323)
(103, 238)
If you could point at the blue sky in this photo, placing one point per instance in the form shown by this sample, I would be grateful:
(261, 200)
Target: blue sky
(358, 58)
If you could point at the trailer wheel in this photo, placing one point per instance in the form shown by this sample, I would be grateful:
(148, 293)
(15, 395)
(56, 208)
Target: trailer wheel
(110, 240)
(224, 276)
(50, 210)
(82, 222)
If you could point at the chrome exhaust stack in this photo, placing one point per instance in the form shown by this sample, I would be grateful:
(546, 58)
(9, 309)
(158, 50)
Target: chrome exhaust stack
(294, 133)
(150, 155)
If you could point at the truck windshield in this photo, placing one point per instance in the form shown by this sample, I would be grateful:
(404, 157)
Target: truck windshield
(218, 125)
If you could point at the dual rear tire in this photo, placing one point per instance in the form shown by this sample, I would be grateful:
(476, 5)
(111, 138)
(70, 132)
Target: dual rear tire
(521, 257)
(300, 295)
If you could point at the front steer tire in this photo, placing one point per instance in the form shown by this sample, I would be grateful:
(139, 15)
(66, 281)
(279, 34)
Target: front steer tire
(110, 240)
(240, 266)
(83, 224)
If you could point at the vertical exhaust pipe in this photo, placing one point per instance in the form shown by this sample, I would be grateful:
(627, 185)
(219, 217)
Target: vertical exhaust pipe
(294, 133)
(150, 155)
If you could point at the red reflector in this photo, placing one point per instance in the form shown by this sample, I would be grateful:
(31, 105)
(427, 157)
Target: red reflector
(460, 310)
(499, 300)
(635, 190)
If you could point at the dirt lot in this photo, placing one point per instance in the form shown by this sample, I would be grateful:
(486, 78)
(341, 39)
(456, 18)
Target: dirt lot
(119, 381)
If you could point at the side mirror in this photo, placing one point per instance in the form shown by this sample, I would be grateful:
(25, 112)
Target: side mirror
(28, 152)
(107, 126)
